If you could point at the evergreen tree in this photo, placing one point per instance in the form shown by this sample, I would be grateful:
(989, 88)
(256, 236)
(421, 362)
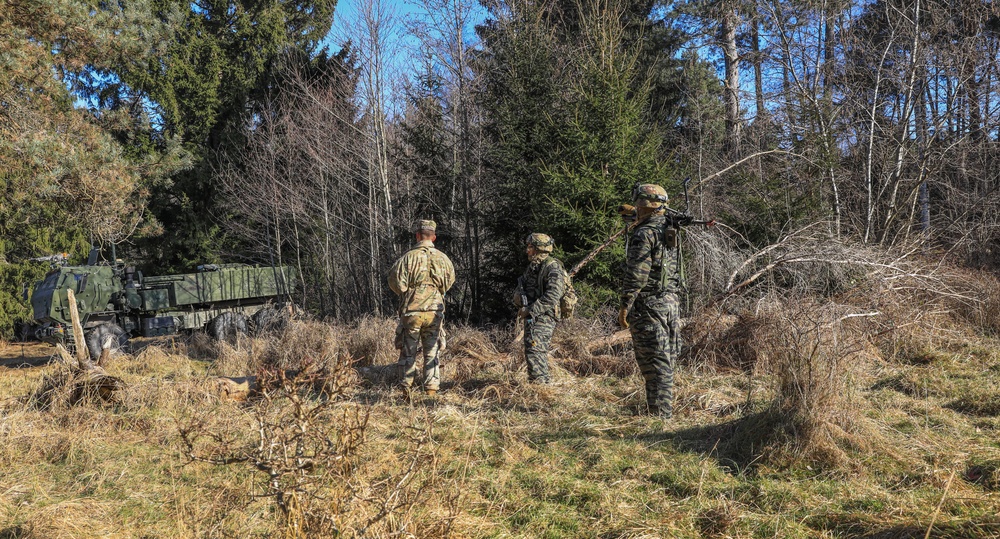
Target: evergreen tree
(65, 177)
(567, 106)
(222, 59)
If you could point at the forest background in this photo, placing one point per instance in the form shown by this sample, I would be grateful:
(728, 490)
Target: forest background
(227, 131)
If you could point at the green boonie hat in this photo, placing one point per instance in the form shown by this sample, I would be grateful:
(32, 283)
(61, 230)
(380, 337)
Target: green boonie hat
(426, 225)
(542, 242)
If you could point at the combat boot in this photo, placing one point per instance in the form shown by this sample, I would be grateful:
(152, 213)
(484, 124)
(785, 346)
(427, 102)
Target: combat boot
(660, 412)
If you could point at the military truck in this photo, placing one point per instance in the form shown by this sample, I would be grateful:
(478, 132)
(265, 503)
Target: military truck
(115, 300)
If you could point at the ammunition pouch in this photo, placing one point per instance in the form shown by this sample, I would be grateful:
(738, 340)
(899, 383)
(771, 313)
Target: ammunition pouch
(670, 237)
(398, 340)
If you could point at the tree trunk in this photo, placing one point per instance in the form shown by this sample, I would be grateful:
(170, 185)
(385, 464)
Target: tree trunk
(727, 35)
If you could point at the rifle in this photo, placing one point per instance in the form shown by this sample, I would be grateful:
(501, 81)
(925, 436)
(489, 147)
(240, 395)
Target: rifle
(678, 219)
(522, 313)
(675, 219)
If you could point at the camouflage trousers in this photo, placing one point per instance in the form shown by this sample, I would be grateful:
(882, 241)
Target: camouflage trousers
(656, 337)
(421, 329)
(537, 335)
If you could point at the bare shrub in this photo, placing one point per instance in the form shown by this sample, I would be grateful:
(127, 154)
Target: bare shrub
(924, 309)
(972, 297)
(712, 255)
(305, 443)
(813, 351)
(919, 305)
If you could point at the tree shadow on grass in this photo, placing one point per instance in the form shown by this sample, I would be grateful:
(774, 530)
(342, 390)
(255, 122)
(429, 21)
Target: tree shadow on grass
(26, 355)
(867, 527)
(26, 362)
(736, 445)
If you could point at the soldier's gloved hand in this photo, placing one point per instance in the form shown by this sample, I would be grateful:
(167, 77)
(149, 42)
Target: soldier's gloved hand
(623, 317)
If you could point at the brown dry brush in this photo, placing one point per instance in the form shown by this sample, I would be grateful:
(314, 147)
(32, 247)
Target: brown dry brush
(594, 346)
(291, 447)
(912, 301)
(816, 352)
(78, 382)
(306, 437)
(306, 446)
(474, 355)
(809, 313)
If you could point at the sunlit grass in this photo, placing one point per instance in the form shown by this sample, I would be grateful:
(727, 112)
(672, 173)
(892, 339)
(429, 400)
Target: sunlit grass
(508, 459)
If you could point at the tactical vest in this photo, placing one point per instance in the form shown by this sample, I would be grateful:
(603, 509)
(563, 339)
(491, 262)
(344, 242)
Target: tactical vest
(665, 269)
(567, 302)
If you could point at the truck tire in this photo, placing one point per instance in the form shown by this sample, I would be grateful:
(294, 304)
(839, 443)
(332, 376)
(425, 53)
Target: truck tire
(227, 327)
(272, 318)
(95, 338)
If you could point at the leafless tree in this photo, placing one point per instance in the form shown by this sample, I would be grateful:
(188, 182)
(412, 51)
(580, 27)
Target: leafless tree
(373, 35)
(443, 29)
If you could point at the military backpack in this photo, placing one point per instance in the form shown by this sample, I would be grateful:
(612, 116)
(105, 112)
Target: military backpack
(568, 301)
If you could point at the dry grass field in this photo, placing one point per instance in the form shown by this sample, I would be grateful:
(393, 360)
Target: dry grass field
(793, 419)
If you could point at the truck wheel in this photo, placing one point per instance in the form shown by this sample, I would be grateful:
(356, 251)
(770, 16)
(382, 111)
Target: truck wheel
(227, 327)
(95, 339)
(270, 319)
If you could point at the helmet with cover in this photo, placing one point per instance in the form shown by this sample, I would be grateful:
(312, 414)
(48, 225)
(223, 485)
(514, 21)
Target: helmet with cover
(649, 196)
(541, 242)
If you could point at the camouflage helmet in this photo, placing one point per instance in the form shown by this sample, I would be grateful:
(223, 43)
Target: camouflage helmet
(541, 242)
(649, 195)
(426, 226)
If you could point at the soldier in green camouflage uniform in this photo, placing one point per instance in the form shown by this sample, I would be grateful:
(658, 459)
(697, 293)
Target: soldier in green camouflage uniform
(539, 291)
(421, 278)
(650, 306)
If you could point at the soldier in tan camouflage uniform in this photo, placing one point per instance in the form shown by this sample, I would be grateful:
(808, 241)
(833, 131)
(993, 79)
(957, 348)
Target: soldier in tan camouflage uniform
(538, 293)
(421, 278)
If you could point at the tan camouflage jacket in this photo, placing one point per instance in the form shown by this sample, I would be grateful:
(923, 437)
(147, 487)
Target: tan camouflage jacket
(421, 278)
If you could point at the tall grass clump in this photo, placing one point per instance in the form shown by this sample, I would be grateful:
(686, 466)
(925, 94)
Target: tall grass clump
(473, 354)
(370, 341)
(816, 353)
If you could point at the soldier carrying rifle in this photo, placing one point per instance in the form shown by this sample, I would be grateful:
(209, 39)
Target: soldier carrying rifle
(650, 296)
(538, 295)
